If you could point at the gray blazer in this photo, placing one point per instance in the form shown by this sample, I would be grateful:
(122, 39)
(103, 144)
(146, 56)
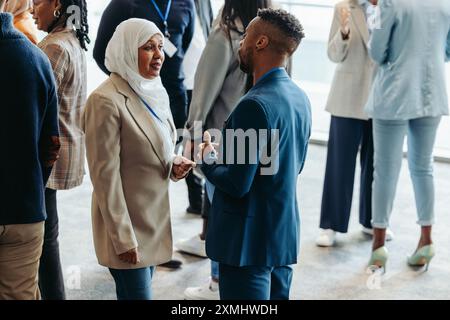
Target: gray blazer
(354, 73)
(219, 82)
(205, 13)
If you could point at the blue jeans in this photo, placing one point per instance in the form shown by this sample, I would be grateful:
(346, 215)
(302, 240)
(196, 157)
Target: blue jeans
(389, 137)
(254, 282)
(133, 284)
(215, 270)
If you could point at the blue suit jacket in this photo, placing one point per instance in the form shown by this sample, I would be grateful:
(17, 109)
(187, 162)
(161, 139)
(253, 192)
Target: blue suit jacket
(254, 218)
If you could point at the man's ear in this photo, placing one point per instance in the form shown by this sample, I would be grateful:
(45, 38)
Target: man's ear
(262, 43)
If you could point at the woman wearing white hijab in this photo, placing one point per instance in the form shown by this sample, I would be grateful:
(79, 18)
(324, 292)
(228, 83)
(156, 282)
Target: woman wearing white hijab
(23, 21)
(130, 139)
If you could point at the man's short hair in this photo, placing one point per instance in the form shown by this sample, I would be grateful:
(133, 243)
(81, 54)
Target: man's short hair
(290, 27)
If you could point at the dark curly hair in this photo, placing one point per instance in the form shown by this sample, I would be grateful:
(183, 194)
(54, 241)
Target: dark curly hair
(287, 23)
(82, 31)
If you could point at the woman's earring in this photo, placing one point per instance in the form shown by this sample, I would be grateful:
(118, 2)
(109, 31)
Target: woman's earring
(57, 13)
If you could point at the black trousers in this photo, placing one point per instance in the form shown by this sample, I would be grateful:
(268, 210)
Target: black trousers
(51, 281)
(347, 137)
(194, 183)
(195, 191)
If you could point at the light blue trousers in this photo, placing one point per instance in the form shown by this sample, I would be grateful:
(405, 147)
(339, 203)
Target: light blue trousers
(388, 136)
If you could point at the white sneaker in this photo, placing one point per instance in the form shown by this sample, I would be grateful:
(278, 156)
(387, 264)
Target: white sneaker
(194, 245)
(326, 238)
(389, 234)
(209, 291)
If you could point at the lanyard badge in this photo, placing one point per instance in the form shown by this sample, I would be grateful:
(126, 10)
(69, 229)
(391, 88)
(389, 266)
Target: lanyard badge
(169, 47)
(164, 17)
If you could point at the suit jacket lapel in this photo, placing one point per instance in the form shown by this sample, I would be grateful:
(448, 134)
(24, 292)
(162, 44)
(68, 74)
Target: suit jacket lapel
(359, 19)
(143, 118)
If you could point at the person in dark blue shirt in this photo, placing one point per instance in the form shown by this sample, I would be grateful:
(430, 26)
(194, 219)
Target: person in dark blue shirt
(29, 139)
(180, 28)
(253, 229)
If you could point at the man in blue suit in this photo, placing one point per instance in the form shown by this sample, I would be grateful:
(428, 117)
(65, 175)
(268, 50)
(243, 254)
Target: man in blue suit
(253, 230)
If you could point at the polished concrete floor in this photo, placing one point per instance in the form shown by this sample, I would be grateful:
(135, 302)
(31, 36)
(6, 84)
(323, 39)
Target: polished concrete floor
(330, 273)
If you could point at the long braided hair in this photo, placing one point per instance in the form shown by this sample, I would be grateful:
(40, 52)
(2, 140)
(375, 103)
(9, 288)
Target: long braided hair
(82, 31)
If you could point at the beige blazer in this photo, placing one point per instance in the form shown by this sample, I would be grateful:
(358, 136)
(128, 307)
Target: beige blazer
(130, 175)
(354, 73)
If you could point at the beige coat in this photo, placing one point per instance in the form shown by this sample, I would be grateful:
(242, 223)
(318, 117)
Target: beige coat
(130, 202)
(354, 73)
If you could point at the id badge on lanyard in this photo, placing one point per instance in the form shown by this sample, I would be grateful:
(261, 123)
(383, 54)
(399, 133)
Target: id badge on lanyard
(169, 48)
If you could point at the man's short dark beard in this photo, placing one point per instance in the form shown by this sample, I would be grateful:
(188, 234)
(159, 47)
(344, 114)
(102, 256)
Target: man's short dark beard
(244, 67)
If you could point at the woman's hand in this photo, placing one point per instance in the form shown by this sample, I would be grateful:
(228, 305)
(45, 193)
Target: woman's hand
(181, 167)
(131, 256)
(206, 147)
(51, 151)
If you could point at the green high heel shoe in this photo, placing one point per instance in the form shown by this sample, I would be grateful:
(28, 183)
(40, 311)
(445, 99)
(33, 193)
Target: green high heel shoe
(422, 257)
(378, 259)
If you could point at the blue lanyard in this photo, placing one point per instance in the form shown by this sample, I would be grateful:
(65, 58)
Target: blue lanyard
(269, 73)
(150, 109)
(165, 17)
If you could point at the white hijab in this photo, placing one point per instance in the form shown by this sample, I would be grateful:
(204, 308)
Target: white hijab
(122, 58)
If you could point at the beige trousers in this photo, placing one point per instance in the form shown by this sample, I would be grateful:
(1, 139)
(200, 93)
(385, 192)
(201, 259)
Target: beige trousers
(20, 251)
